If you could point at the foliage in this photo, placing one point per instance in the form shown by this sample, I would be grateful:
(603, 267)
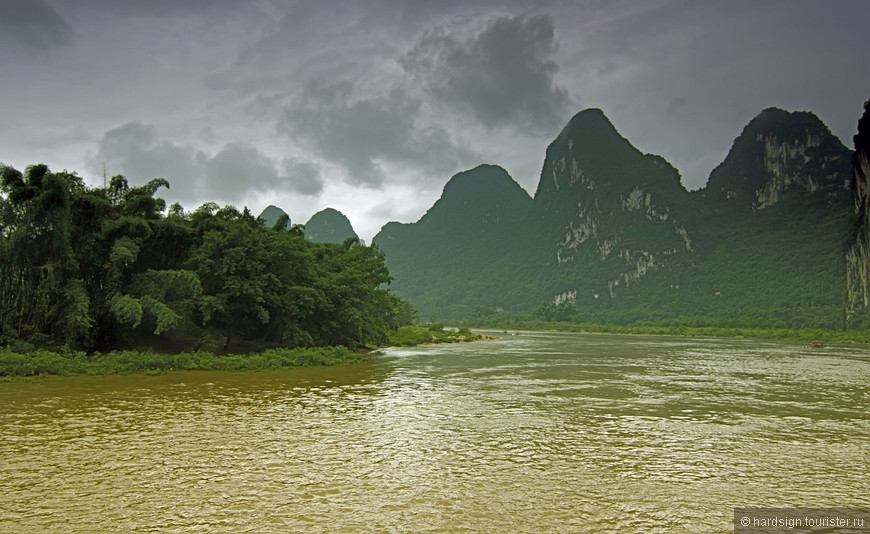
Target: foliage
(580, 252)
(104, 269)
(410, 335)
(43, 362)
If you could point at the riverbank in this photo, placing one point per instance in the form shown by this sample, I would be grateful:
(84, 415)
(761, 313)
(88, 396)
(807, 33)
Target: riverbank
(69, 362)
(44, 362)
(807, 335)
(409, 336)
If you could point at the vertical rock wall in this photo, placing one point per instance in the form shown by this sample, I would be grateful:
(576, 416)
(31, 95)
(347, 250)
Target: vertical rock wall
(858, 255)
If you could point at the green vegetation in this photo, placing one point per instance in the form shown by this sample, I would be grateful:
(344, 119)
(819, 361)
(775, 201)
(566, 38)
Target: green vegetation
(612, 238)
(109, 269)
(411, 335)
(329, 226)
(44, 362)
(794, 334)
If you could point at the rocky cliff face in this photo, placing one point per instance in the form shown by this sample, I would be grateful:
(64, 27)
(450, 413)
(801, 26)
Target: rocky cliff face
(612, 234)
(780, 153)
(858, 255)
(610, 212)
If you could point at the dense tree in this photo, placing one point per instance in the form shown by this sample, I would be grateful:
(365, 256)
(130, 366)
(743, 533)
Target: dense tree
(106, 268)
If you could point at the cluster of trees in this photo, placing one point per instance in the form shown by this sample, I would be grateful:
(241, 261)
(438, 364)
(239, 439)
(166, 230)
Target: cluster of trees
(110, 268)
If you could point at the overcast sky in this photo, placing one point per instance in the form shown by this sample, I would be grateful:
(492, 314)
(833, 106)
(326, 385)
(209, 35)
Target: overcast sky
(370, 106)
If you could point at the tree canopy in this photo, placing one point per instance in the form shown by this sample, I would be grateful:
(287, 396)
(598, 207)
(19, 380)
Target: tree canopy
(110, 268)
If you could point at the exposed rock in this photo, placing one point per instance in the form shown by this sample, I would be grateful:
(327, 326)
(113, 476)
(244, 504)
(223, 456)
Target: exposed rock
(598, 193)
(858, 254)
(613, 234)
(779, 153)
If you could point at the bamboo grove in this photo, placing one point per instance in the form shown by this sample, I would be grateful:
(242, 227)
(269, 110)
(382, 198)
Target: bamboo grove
(110, 268)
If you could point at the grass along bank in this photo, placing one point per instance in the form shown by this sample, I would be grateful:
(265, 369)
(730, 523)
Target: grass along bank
(69, 362)
(409, 336)
(44, 362)
(807, 334)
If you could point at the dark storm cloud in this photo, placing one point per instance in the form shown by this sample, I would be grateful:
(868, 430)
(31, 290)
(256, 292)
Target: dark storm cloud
(32, 26)
(238, 168)
(304, 176)
(136, 151)
(358, 102)
(362, 134)
(149, 8)
(504, 75)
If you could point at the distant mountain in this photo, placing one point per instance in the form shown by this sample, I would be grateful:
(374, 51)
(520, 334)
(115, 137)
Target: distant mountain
(329, 226)
(612, 235)
(271, 214)
(460, 255)
(777, 212)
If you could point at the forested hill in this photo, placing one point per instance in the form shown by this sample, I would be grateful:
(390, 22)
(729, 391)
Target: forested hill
(110, 268)
(613, 236)
(329, 226)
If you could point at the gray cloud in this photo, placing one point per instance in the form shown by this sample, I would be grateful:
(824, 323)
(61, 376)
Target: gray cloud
(362, 135)
(135, 151)
(303, 176)
(504, 75)
(435, 88)
(32, 26)
(231, 175)
(676, 104)
(238, 168)
(150, 8)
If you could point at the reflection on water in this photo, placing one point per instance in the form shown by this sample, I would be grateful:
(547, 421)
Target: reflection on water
(536, 433)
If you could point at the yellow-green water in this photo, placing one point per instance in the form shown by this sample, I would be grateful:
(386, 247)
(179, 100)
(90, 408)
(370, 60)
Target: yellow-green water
(530, 433)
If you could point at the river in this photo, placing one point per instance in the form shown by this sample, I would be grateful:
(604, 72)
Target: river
(539, 432)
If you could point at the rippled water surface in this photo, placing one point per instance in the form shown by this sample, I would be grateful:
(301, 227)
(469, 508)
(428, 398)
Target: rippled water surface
(530, 433)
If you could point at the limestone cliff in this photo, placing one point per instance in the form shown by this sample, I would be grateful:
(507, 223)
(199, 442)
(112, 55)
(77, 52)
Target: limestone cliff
(858, 255)
(777, 154)
(611, 213)
(612, 235)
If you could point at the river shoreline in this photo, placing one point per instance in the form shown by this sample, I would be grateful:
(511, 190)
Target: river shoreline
(784, 334)
(17, 365)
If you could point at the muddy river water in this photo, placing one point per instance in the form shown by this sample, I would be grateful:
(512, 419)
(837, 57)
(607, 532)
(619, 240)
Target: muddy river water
(540, 432)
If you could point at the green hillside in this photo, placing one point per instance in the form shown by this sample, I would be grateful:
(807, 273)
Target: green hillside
(612, 235)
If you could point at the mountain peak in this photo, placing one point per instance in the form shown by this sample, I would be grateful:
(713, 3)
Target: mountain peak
(485, 192)
(590, 154)
(482, 177)
(592, 129)
(329, 226)
(780, 152)
(271, 214)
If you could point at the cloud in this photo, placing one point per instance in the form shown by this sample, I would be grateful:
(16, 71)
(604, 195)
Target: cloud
(32, 26)
(365, 135)
(238, 168)
(135, 151)
(504, 75)
(154, 8)
(303, 176)
(676, 104)
(236, 172)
